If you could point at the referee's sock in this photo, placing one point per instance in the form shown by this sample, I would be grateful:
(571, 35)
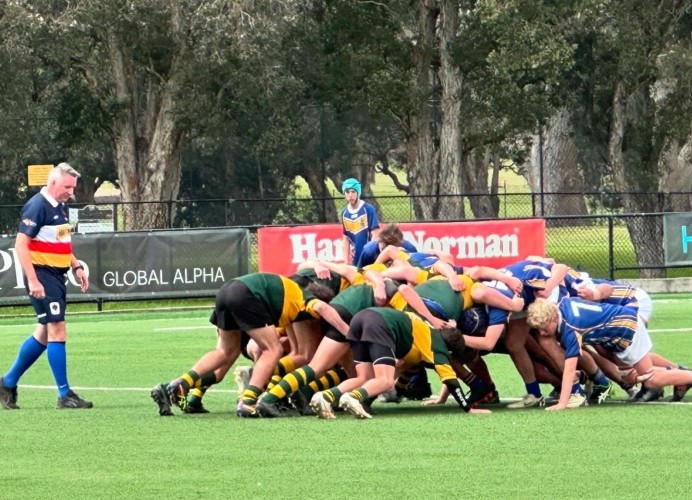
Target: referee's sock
(30, 350)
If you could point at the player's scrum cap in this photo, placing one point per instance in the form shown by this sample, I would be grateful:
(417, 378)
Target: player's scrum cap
(351, 183)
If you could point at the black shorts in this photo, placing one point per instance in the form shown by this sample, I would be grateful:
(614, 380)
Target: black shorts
(237, 308)
(499, 348)
(332, 333)
(368, 326)
(51, 308)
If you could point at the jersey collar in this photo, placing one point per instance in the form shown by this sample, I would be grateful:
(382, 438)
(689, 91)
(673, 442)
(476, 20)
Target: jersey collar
(51, 200)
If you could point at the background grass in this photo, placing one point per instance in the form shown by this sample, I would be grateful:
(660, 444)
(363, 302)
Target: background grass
(123, 449)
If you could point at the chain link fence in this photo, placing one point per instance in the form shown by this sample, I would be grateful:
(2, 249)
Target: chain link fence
(586, 231)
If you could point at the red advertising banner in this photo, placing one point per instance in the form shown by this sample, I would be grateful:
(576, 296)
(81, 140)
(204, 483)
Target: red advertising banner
(492, 243)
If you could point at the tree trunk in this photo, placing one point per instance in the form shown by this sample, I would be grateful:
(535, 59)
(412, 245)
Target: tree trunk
(323, 205)
(422, 153)
(677, 181)
(475, 164)
(147, 143)
(561, 173)
(646, 232)
(451, 207)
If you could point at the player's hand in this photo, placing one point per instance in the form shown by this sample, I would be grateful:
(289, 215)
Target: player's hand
(479, 411)
(36, 289)
(556, 407)
(83, 279)
(515, 285)
(585, 293)
(456, 284)
(322, 272)
(380, 295)
(517, 303)
(434, 401)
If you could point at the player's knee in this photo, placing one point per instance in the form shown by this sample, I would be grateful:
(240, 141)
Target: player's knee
(650, 378)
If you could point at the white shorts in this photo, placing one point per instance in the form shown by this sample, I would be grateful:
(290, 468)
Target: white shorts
(646, 306)
(641, 345)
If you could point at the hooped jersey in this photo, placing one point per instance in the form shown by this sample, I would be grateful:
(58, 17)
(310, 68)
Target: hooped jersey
(442, 300)
(417, 342)
(285, 300)
(622, 295)
(357, 297)
(595, 323)
(533, 275)
(358, 226)
(45, 221)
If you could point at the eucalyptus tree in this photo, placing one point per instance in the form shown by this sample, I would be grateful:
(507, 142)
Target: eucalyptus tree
(145, 70)
(633, 103)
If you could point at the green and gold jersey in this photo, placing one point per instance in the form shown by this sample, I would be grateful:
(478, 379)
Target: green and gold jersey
(286, 301)
(336, 283)
(417, 342)
(356, 298)
(440, 291)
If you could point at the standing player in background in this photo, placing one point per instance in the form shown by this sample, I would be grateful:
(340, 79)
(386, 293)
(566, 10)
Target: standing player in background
(44, 249)
(358, 220)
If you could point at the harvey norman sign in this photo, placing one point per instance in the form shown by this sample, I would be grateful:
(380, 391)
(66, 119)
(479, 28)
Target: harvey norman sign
(493, 243)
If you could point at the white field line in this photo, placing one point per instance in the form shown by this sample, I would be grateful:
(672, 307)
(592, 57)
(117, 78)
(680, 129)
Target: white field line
(179, 328)
(110, 389)
(674, 330)
(230, 391)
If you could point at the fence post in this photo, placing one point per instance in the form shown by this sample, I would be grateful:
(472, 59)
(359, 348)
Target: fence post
(169, 209)
(611, 250)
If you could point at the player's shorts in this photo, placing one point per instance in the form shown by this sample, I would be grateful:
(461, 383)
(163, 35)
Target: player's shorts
(332, 333)
(51, 308)
(371, 339)
(368, 326)
(641, 345)
(237, 308)
(645, 304)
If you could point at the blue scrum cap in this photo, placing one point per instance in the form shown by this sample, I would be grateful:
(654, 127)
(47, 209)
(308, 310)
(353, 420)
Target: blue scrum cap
(351, 184)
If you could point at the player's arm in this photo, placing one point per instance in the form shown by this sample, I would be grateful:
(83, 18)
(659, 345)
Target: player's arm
(346, 271)
(445, 269)
(454, 388)
(79, 273)
(488, 341)
(402, 273)
(595, 292)
(558, 273)
(413, 299)
(567, 382)
(390, 252)
(488, 295)
(329, 314)
(21, 246)
(379, 291)
(478, 273)
(346, 247)
(442, 255)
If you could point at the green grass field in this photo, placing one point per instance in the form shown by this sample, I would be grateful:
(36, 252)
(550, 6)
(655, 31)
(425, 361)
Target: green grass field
(123, 449)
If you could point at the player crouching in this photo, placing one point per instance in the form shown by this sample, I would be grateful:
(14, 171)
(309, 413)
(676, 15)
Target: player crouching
(616, 329)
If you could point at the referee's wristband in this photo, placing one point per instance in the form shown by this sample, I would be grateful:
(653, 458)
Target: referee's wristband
(77, 268)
